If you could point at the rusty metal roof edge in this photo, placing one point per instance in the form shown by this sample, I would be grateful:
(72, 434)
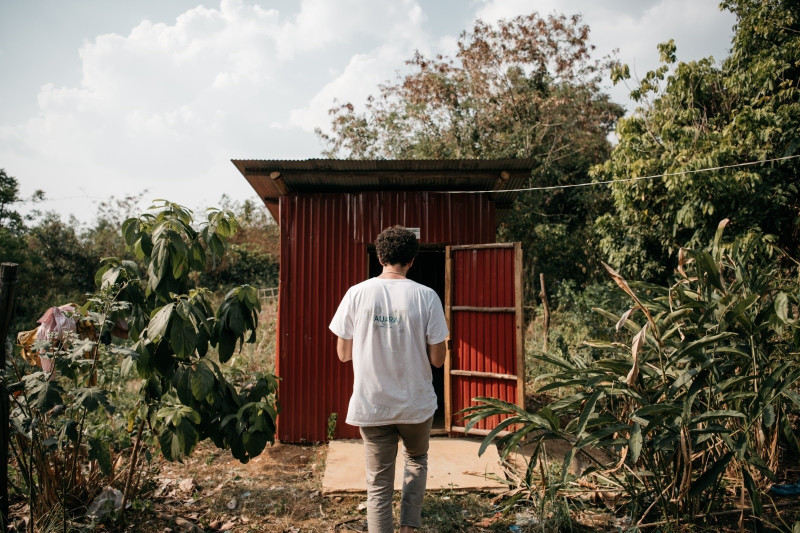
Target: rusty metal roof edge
(345, 165)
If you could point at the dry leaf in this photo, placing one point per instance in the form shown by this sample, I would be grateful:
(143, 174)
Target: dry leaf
(682, 262)
(638, 342)
(624, 318)
(620, 281)
(186, 485)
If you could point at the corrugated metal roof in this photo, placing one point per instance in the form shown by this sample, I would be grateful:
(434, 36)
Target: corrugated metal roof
(349, 165)
(272, 179)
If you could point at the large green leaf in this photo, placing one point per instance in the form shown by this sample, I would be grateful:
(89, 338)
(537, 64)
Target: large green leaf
(164, 360)
(130, 230)
(700, 344)
(716, 414)
(182, 337)
(755, 499)
(174, 414)
(600, 434)
(178, 442)
(781, 305)
(178, 255)
(43, 394)
(98, 451)
(635, 442)
(159, 265)
(90, 398)
(159, 321)
(255, 442)
(202, 381)
(227, 345)
(768, 415)
(587, 412)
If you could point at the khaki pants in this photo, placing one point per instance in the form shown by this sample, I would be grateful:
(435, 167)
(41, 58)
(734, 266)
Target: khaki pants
(380, 449)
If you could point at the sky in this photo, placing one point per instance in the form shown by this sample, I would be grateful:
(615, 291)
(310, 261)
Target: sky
(153, 98)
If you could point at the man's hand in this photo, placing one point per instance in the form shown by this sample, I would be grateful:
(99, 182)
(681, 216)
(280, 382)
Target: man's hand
(437, 354)
(344, 349)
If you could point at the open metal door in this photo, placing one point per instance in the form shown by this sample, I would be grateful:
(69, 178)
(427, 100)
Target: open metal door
(483, 307)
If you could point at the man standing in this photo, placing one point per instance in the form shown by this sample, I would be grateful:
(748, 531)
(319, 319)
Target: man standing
(392, 329)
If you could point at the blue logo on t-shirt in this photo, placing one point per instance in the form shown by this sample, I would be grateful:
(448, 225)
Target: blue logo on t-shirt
(391, 320)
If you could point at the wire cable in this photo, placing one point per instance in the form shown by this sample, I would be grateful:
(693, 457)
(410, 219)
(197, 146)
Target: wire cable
(637, 178)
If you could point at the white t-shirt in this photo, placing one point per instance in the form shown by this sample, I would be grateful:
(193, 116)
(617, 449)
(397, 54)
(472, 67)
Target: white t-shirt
(391, 322)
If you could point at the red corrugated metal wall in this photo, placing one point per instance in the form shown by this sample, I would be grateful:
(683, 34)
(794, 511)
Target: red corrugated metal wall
(324, 240)
(483, 342)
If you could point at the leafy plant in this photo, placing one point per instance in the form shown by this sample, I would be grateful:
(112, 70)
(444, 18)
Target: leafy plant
(698, 399)
(185, 397)
(60, 419)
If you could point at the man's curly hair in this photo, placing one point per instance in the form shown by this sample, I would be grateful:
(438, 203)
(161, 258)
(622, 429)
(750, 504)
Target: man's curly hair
(396, 245)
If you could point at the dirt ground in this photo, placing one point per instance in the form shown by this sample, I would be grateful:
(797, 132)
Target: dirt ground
(277, 491)
(280, 491)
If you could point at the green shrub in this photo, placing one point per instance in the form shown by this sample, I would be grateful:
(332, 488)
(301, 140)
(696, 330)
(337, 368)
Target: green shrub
(701, 394)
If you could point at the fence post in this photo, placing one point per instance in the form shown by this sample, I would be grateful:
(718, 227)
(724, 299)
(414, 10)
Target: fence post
(8, 285)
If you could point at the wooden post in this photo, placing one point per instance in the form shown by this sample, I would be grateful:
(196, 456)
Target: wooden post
(448, 360)
(545, 309)
(8, 285)
(519, 295)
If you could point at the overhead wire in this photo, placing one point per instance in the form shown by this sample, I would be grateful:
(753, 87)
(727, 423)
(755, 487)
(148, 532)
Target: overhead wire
(623, 180)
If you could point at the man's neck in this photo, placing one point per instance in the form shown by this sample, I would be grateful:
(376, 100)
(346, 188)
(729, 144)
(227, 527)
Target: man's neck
(396, 271)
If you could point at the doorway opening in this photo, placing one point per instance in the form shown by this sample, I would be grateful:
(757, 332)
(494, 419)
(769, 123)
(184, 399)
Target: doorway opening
(428, 270)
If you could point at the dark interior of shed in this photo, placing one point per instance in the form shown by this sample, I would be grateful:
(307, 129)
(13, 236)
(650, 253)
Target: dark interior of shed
(428, 269)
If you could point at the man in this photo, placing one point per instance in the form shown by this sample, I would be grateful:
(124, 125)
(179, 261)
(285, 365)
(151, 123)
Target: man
(392, 329)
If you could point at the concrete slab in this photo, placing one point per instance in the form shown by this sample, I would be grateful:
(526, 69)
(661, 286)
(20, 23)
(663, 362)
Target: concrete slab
(453, 463)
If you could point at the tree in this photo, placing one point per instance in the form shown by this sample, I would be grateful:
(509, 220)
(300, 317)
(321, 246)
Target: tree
(9, 194)
(701, 116)
(15, 248)
(524, 88)
(12, 244)
(10, 219)
(65, 266)
(185, 397)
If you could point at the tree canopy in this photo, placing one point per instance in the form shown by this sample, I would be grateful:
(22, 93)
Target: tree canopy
(697, 115)
(528, 87)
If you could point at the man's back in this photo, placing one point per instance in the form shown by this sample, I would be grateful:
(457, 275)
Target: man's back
(391, 322)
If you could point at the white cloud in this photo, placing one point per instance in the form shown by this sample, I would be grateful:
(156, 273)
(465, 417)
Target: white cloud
(166, 106)
(321, 23)
(359, 80)
(396, 27)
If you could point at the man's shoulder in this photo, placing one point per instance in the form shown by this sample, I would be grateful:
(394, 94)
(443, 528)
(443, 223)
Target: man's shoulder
(367, 283)
(425, 291)
(422, 288)
(361, 287)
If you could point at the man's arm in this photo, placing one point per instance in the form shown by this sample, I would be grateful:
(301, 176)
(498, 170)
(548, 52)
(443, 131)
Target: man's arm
(344, 349)
(436, 354)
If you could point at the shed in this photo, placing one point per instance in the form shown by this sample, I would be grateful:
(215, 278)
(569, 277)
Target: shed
(330, 212)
